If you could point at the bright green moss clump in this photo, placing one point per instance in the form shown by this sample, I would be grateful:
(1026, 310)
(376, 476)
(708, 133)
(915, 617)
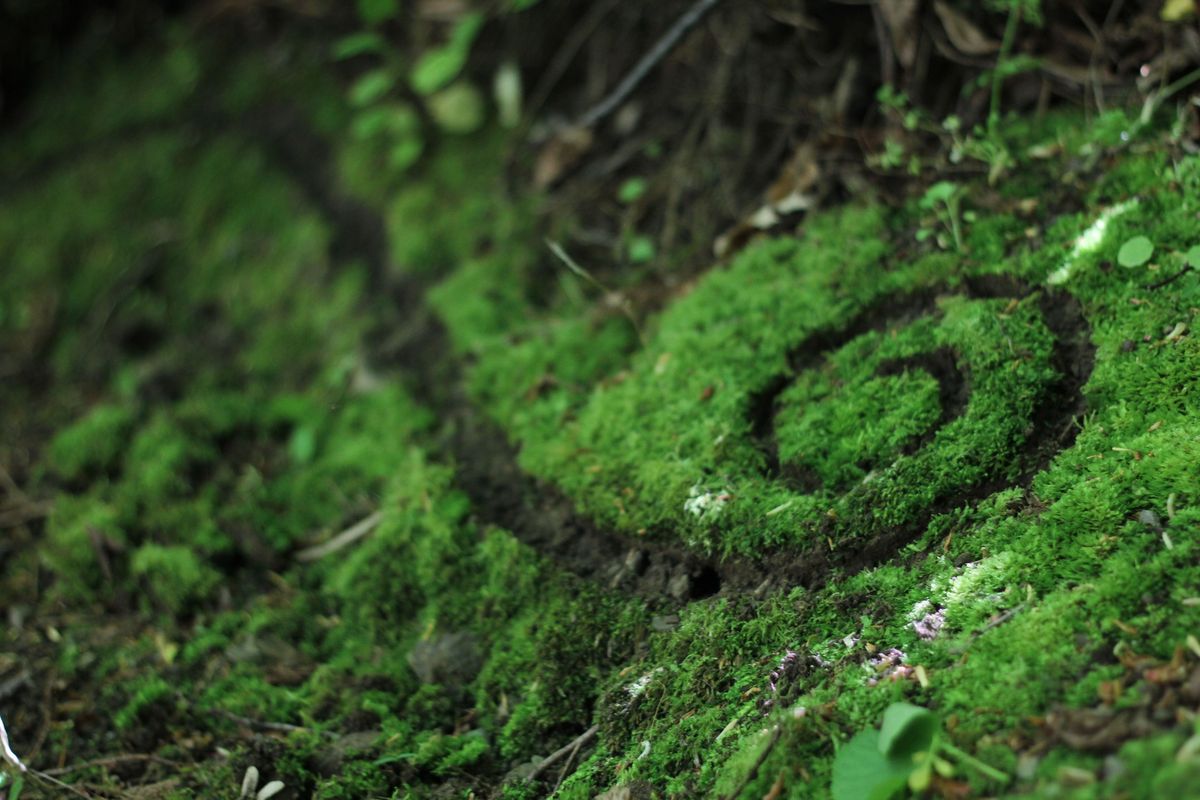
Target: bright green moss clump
(92, 445)
(175, 575)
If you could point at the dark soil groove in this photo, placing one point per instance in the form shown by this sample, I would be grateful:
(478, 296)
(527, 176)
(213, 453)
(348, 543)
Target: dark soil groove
(412, 341)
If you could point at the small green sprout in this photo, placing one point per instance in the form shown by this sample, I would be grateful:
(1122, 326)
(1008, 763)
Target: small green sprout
(641, 249)
(631, 190)
(944, 198)
(904, 752)
(1135, 252)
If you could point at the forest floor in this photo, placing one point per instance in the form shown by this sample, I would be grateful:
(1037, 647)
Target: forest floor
(354, 439)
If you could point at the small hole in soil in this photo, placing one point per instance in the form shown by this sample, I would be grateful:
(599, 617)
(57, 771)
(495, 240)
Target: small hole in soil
(705, 583)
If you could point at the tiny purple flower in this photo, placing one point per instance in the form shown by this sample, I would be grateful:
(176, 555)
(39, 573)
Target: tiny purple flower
(928, 626)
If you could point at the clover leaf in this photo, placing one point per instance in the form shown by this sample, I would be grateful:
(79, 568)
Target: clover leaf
(1135, 252)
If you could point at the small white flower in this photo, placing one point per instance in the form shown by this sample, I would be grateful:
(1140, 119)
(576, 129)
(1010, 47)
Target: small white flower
(1088, 241)
(635, 689)
(919, 610)
(705, 504)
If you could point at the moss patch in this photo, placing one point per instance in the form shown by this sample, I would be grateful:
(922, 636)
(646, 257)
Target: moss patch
(983, 459)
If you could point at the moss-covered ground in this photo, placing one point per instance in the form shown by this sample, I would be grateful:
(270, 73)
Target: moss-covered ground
(965, 477)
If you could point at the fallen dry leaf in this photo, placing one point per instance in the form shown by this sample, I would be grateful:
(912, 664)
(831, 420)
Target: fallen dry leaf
(963, 33)
(795, 190)
(559, 154)
(900, 17)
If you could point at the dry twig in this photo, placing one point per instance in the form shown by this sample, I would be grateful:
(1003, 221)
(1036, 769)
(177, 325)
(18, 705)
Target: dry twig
(641, 69)
(352, 534)
(559, 754)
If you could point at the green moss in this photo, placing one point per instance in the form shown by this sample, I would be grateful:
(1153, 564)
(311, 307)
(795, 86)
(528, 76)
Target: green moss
(174, 577)
(94, 444)
(234, 422)
(148, 694)
(357, 779)
(75, 538)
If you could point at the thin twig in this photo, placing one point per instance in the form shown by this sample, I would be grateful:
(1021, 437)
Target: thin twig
(1156, 99)
(11, 487)
(557, 755)
(995, 622)
(554, 71)
(886, 63)
(14, 685)
(111, 761)
(622, 303)
(642, 68)
(53, 781)
(1006, 45)
(19, 515)
(1171, 279)
(567, 766)
(352, 534)
(762, 757)
(262, 725)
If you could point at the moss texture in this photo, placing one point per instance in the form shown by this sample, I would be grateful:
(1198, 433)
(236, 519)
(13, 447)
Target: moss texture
(206, 407)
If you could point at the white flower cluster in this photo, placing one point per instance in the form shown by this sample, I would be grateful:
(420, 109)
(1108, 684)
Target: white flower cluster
(1088, 241)
(702, 504)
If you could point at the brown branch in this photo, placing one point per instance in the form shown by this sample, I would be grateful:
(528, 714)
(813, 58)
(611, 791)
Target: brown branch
(352, 534)
(558, 755)
(262, 725)
(124, 758)
(642, 68)
(27, 512)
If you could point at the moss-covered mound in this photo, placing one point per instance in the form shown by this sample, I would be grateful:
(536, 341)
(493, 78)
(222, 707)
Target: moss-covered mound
(348, 478)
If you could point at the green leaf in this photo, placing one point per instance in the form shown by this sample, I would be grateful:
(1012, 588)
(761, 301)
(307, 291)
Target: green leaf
(907, 729)
(506, 90)
(369, 124)
(405, 153)
(393, 119)
(1135, 252)
(357, 44)
(862, 772)
(437, 67)
(1193, 256)
(940, 192)
(641, 249)
(374, 12)
(303, 445)
(631, 190)
(371, 86)
(397, 127)
(458, 108)
(920, 778)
